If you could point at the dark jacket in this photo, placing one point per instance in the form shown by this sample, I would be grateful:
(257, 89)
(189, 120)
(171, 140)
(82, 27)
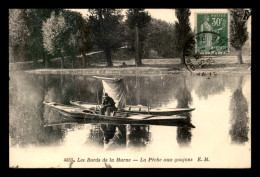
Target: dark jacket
(108, 101)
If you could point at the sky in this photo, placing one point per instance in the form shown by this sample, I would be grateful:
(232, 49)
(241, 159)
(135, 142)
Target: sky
(168, 15)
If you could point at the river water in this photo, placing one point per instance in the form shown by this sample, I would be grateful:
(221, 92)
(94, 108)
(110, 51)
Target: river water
(222, 133)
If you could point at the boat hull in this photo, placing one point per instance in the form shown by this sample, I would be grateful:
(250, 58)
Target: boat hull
(81, 114)
(137, 109)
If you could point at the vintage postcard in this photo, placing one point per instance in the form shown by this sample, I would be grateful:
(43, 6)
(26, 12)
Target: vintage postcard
(130, 88)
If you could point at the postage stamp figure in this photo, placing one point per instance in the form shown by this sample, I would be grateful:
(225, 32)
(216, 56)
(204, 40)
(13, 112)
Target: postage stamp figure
(212, 33)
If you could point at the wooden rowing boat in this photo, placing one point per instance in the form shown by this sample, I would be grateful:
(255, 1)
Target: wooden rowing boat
(121, 117)
(136, 109)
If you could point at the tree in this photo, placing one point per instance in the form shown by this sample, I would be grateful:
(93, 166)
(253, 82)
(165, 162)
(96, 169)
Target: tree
(238, 31)
(18, 34)
(160, 38)
(105, 25)
(183, 30)
(84, 39)
(36, 50)
(239, 115)
(137, 18)
(77, 35)
(66, 34)
(25, 30)
(54, 37)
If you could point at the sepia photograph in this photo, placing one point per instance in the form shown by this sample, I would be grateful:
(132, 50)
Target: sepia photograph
(130, 88)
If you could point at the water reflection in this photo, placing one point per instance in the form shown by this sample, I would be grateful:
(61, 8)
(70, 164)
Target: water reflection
(25, 110)
(96, 136)
(184, 100)
(112, 137)
(28, 116)
(138, 136)
(53, 135)
(239, 115)
(118, 140)
(205, 87)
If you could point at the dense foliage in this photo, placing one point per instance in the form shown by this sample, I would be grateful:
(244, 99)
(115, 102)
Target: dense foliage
(25, 33)
(35, 19)
(106, 28)
(183, 30)
(238, 31)
(49, 33)
(160, 38)
(66, 34)
(18, 34)
(138, 19)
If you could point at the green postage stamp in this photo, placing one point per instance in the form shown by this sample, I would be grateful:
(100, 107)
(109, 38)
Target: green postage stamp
(212, 33)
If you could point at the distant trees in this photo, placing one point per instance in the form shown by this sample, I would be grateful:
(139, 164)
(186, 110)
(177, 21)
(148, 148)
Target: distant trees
(45, 33)
(137, 19)
(25, 33)
(77, 37)
(66, 34)
(238, 32)
(84, 39)
(106, 30)
(160, 38)
(182, 30)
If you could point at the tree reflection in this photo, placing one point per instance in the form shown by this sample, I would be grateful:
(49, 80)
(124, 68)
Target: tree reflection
(108, 136)
(184, 99)
(52, 135)
(114, 136)
(152, 90)
(205, 87)
(96, 135)
(239, 115)
(137, 136)
(109, 132)
(88, 89)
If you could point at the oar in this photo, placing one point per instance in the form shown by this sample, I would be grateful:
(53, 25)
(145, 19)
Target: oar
(98, 101)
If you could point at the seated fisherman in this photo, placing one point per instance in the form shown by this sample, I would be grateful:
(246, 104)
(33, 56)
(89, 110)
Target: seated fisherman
(108, 105)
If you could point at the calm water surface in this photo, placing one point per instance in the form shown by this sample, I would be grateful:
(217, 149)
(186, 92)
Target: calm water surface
(221, 119)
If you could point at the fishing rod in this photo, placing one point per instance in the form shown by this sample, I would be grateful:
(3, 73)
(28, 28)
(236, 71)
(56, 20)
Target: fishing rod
(38, 108)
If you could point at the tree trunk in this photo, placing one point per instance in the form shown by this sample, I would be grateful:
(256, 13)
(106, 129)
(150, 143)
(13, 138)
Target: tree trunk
(108, 57)
(73, 60)
(62, 62)
(239, 56)
(106, 43)
(43, 60)
(84, 60)
(35, 63)
(47, 61)
(138, 61)
(182, 58)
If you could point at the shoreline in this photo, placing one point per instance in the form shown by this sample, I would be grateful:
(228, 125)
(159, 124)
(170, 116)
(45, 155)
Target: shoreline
(140, 71)
(224, 64)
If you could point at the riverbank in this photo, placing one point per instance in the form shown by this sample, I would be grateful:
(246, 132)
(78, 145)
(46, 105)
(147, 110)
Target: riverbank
(224, 64)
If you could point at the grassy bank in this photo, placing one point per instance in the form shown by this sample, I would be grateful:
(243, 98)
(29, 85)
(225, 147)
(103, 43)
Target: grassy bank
(223, 64)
